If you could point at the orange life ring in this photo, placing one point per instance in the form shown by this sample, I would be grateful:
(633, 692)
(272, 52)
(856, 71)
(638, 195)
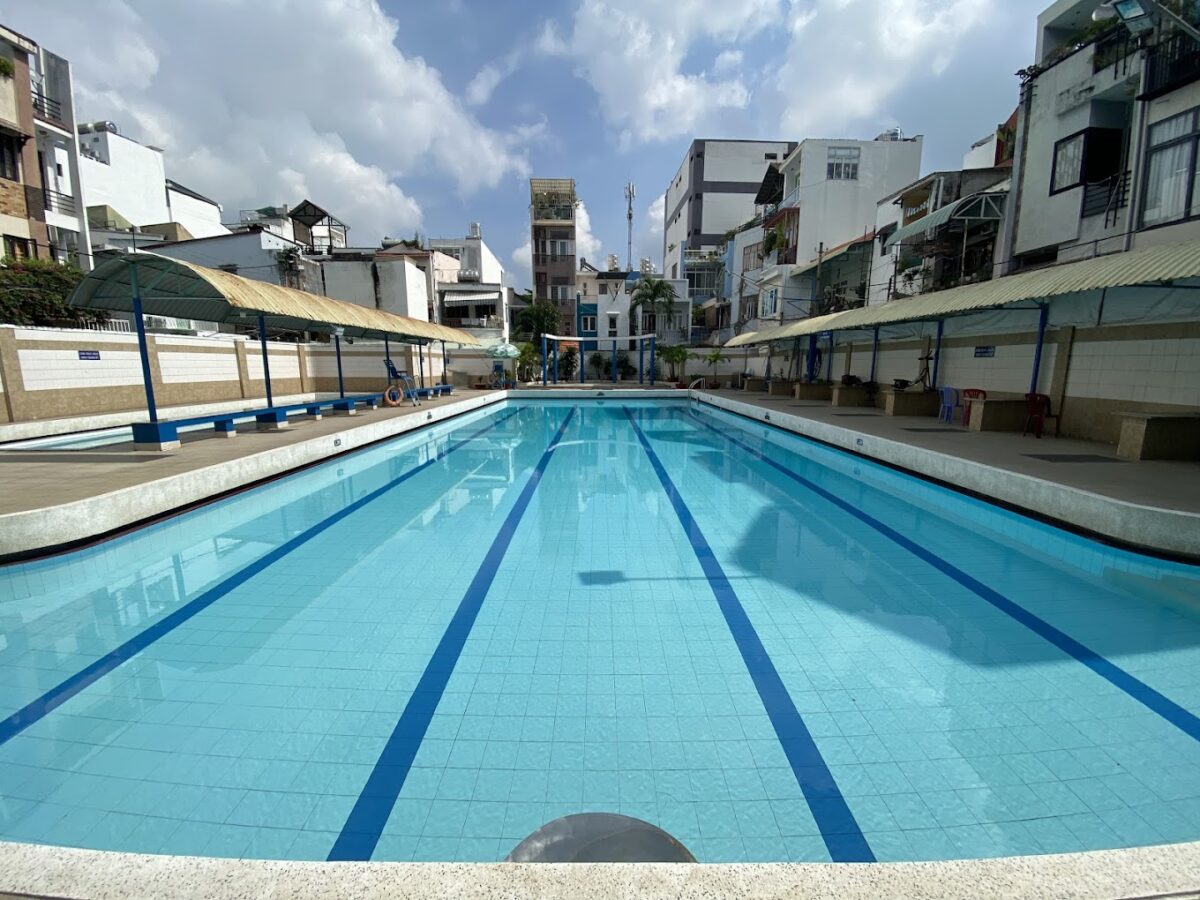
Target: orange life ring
(393, 396)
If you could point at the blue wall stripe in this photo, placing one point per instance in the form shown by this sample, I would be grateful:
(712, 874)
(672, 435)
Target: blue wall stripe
(37, 709)
(366, 821)
(840, 831)
(1185, 721)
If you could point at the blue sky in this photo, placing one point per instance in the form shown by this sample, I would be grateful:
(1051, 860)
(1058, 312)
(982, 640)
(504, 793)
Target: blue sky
(399, 114)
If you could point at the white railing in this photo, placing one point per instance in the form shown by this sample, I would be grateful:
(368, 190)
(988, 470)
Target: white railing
(121, 325)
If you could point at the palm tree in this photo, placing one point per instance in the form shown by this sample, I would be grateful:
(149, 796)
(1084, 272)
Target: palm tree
(653, 295)
(713, 358)
(675, 356)
(538, 319)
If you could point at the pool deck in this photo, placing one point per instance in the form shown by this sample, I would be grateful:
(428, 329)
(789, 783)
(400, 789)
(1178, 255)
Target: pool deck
(28, 870)
(1154, 504)
(53, 498)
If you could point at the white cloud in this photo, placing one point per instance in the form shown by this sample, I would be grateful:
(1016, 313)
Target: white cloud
(486, 80)
(648, 238)
(727, 61)
(863, 53)
(521, 274)
(632, 53)
(327, 108)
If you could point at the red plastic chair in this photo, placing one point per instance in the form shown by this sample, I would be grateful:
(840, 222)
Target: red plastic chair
(1037, 412)
(968, 395)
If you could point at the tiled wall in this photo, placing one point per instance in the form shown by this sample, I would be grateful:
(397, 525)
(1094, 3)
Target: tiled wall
(60, 369)
(1007, 372)
(182, 367)
(1151, 371)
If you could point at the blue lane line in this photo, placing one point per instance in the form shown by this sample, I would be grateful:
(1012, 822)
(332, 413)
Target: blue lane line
(36, 710)
(839, 829)
(365, 824)
(1181, 718)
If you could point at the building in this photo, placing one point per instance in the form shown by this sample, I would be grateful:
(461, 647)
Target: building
(307, 224)
(125, 186)
(1106, 141)
(713, 192)
(604, 301)
(818, 212)
(552, 204)
(41, 208)
(476, 300)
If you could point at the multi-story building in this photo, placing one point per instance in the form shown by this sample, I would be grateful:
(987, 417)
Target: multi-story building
(552, 204)
(1107, 135)
(476, 301)
(604, 309)
(41, 210)
(824, 208)
(306, 223)
(125, 186)
(712, 192)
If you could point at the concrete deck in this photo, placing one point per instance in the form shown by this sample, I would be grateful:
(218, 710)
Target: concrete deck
(1150, 503)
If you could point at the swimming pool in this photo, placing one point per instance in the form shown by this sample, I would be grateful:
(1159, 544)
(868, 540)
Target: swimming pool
(427, 649)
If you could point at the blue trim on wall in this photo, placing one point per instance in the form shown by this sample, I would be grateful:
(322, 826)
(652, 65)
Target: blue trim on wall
(368, 818)
(842, 835)
(37, 709)
(1181, 718)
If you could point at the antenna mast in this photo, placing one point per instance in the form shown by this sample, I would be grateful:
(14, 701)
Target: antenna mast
(630, 193)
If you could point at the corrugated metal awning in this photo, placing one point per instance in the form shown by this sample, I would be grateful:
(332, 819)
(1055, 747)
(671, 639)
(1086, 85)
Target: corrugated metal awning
(173, 287)
(749, 337)
(984, 206)
(1150, 266)
(464, 299)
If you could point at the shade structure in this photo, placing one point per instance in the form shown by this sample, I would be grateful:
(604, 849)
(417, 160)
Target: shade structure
(172, 287)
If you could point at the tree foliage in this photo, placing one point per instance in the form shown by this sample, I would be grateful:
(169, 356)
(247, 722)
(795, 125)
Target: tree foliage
(676, 359)
(536, 320)
(653, 295)
(35, 292)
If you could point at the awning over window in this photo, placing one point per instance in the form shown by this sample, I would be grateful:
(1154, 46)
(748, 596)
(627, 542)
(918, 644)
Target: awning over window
(1150, 266)
(981, 207)
(466, 299)
(172, 287)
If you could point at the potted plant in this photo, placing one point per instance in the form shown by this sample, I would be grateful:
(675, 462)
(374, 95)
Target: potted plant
(676, 359)
(713, 358)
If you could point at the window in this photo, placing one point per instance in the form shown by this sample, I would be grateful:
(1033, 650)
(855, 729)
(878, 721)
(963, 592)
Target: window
(58, 169)
(752, 257)
(10, 155)
(612, 326)
(769, 302)
(842, 163)
(649, 323)
(588, 324)
(770, 156)
(16, 247)
(603, 287)
(1068, 163)
(1171, 172)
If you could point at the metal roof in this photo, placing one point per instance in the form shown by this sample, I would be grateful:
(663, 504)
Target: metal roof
(1150, 266)
(981, 206)
(173, 287)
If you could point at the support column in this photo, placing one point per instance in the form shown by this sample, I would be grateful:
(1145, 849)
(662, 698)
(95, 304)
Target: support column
(614, 360)
(556, 362)
(262, 338)
(144, 351)
(641, 360)
(810, 362)
(653, 360)
(829, 362)
(937, 354)
(544, 362)
(1043, 316)
(445, 373)
(421, 362)
(874, 353)
(337, 349)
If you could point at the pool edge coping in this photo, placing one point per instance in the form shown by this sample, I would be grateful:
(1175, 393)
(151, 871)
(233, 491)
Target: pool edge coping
(39, 870)
(1139, 528)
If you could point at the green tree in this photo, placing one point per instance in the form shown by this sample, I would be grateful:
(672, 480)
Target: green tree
(529, 363)
(568, 364)
(35, 292)
(599, 362)
(536, 320)
(712, 359)
(653, 295)
(676, 359)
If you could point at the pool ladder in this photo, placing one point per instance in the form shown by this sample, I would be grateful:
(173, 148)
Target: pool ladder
(698, 382)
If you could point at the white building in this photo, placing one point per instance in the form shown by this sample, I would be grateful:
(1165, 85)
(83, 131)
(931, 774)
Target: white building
(125, 185)
(825, 213)
(713, 192)
(307, 224)
(476, 299)
(604, 304)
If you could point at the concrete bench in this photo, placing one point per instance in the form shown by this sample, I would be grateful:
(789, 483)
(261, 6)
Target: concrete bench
(910, 403)
(802, 391)
(998, 414)
(1159, 436)
(164, 434)
(753, 383)
(853, 395)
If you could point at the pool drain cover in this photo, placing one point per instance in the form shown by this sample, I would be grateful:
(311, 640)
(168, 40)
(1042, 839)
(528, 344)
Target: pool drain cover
(599, 837)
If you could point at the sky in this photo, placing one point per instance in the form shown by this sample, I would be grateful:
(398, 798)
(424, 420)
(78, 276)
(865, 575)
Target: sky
(400, 115)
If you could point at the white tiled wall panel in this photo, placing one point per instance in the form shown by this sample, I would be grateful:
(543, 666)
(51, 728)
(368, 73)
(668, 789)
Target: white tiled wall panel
(1008, 371)
(180, 367)
(83, 338)
(1159, 371)
(43, 370)
(283, 365)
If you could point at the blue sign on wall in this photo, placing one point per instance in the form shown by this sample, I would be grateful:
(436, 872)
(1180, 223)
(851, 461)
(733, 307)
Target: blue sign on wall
(985, 351)
(89, 354)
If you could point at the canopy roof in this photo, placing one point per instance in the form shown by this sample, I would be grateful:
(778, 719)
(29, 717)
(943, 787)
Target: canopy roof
(173, 287)
(983, 206)
(1150, 266)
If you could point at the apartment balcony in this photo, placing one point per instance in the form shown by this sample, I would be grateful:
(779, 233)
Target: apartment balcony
(47, 108)
(56, 202)
(1172, 63)
(553, 259)
(1105, 198)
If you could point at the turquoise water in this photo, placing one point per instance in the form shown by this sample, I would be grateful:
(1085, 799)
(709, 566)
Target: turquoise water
(430, 648)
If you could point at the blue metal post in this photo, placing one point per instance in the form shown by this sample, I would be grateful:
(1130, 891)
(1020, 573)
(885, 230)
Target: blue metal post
(445, 366)
(143, 349)
(614, 361)
(653, 360)
(262, 337)
(811, 360)
(421, 362)
(874, 355)
(1043, 315)
(556, 362)
(337, 348)
(937, 355)
(581, 359)
(387, 352)
(829, 362)
(544, 376)
(641, 360)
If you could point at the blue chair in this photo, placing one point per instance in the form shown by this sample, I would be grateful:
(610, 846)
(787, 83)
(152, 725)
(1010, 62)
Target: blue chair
(950, 403)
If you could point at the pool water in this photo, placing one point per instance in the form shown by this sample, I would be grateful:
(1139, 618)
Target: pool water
(428, 649)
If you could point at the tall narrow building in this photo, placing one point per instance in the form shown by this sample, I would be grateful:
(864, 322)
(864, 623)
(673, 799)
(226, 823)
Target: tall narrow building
(552, 203)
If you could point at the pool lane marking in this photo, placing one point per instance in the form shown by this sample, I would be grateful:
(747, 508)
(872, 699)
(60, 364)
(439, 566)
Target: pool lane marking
(842, 835)
(37, 709)
(365, 823)
(1181, 718)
